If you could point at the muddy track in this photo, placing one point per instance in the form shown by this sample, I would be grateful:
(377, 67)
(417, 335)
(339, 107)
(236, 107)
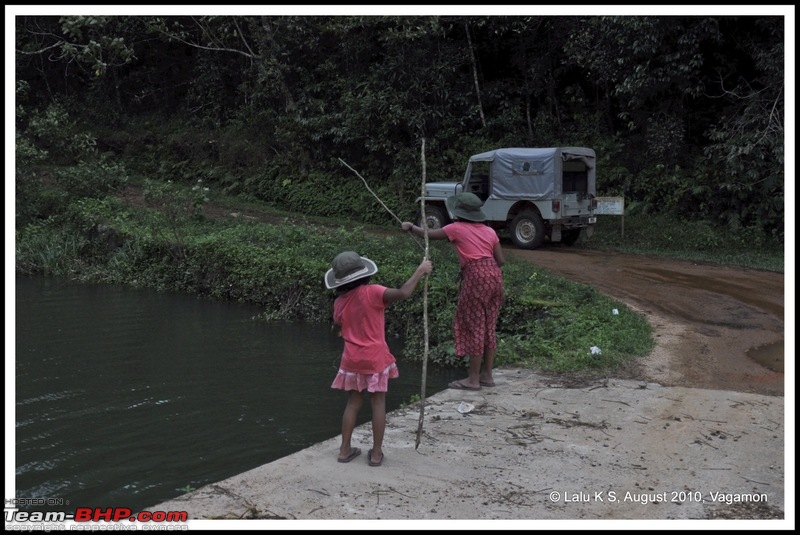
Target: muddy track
(716, 327)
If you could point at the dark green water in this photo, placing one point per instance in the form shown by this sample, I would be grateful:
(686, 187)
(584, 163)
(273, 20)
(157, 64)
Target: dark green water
(126, 396)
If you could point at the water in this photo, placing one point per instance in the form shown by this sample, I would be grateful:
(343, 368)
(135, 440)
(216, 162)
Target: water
(127, 397)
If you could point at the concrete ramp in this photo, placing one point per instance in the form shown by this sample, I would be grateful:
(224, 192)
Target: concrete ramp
(530, 449)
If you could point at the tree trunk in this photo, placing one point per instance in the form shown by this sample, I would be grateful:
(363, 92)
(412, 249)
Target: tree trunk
(475, 73)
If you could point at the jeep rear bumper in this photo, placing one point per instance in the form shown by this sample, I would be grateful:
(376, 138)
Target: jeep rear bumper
(574, 222)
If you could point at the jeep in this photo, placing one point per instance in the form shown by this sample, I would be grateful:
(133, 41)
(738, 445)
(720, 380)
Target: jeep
(534, 193)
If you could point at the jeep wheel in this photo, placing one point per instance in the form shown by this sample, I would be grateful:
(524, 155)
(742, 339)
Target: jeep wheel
(527, 230)
(569, 237)
(436, 216)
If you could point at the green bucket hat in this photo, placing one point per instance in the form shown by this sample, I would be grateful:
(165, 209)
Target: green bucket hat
(348, 267)
(466, 206)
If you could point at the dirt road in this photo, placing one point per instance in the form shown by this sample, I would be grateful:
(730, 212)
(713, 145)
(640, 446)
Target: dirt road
(716, 327)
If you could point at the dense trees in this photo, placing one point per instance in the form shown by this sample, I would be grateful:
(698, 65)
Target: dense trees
(685, 113)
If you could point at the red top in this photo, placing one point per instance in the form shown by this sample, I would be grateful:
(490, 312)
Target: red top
(471, 240)
(360, 313)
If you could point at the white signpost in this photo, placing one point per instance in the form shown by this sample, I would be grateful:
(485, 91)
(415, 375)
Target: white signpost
(612, 206)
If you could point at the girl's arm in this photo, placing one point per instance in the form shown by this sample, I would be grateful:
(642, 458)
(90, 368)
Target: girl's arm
(433, 234)
(497, 252)
(405, 291)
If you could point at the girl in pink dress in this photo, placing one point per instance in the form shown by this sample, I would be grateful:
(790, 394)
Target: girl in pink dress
(367, 364)
(481, 292)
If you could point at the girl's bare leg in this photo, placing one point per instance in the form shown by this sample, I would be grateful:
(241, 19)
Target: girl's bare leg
(488, 365)
(354, 401)
(378, 401)
(474, 371)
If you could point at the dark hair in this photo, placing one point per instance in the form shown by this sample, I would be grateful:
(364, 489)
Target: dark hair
(352, 285)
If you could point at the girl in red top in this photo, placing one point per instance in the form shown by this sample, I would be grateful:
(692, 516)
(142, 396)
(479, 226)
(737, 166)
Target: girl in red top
(481, 292)
(367, 364)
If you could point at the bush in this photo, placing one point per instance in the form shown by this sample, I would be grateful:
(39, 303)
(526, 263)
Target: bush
(95, 178)
(53, 134)
(697, 240)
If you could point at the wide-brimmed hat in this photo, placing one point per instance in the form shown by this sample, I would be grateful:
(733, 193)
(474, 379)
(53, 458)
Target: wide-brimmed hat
(466, 206)
(348, 267)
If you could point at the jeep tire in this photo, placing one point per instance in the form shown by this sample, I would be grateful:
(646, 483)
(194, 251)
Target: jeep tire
(436, 216)
(527, 230)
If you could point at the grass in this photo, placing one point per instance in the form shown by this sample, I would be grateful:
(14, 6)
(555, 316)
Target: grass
(697, 241)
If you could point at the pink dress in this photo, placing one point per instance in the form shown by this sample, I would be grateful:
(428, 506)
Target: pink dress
(367, 363)
(481, 292)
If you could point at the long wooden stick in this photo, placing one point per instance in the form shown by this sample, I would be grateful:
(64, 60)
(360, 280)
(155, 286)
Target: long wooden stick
(384, 204)
(424, 306)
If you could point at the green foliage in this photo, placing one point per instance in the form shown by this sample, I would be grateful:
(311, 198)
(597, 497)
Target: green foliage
(415, 398)
(639, 58)
(699, 240)
(336, 196)
(552, 324)
(50, 133)
(27, 153)
(85, 213)
(34, 199)
(174, 206)
(273, 266)
(26, 150)
(45, 247)
(87, 43)
(746, 145)
(94, 178)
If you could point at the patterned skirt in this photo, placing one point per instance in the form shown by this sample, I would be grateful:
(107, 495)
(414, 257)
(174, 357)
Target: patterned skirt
(479, 298)
(372, 382)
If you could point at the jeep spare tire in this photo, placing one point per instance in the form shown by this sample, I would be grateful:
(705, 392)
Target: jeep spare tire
(527, 230)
